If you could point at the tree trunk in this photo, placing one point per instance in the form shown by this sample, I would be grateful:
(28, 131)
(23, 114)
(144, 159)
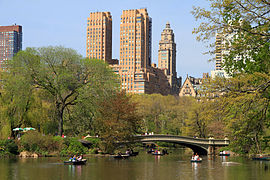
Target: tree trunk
(60, 121)
(257, 144)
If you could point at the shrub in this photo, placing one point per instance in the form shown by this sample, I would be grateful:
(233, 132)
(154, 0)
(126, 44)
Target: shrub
(95, 142)
(8, 147)
(93, 151)
(73, 146)
(38, 143)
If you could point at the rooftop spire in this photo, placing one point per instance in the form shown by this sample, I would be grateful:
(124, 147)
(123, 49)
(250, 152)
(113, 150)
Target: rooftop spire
(168, 25)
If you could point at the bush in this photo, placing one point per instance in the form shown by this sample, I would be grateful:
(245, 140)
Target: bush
(41, 144)
(224, 149)
(95, 142)
(8, 147)
(73, 146)
(36, 142)
(93, 151)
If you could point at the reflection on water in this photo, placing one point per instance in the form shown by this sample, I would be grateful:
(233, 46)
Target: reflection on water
(224, 158)
(157, 159)
(176, 165)
(195, 167)
(75, 171)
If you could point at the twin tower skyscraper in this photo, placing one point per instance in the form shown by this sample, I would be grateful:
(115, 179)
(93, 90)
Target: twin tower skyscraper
(138, 74)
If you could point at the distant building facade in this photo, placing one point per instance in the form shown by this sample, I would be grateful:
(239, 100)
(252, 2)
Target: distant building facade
(10, 43)
(99, 36)
(134, 67)
(156, 81)
(191, 86)
(223, 43)
(219, 51)
(167, 57)
(219, 73)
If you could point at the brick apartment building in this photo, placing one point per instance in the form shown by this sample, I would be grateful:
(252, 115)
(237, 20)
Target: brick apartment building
(10, 43)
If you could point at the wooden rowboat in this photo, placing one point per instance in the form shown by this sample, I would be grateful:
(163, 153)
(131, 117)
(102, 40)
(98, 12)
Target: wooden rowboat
(224, 154)
(261, 158)
(196, 161)
(134, 153)
(81, 162)
(124, 156)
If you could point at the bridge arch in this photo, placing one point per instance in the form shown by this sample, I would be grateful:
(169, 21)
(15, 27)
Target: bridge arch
(198, 145)
(195, 148)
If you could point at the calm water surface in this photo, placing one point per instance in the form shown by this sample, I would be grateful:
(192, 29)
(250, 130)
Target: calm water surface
(176, 165)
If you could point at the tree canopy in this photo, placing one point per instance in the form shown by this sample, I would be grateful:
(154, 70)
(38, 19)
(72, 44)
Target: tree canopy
(117, 121)
(59, 77)
(247, 22)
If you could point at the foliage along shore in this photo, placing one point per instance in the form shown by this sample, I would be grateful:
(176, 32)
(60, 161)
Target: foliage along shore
(34, 144)
(41, 145)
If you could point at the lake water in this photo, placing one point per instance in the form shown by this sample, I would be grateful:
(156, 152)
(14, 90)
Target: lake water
(145, 166)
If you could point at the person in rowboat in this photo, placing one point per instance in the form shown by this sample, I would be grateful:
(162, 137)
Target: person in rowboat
(196, 157)
(74, 158)
(79, 158)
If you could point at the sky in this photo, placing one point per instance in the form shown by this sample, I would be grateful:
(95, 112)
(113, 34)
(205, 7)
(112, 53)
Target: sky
(64, 22)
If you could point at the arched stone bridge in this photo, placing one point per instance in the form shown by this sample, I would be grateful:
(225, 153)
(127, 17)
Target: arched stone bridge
(198, 145)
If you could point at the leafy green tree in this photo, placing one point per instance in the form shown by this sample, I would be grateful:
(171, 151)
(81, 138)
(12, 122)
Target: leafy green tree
(247, 22)
(163, 114)
(63, 76)
(20, 105)
(196, 123)
(245, 111)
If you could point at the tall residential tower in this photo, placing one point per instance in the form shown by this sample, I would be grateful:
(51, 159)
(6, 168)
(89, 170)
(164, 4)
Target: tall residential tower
(223, 41)
(167, 57)
(219, 51)
(135, 49)
(10, 43)
(99, 36)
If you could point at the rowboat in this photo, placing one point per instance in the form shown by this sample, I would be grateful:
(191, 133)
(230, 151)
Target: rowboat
(134, 153)
(224, 153)
(78, 162)
(196, 160)
(120, 156)
(261, 158)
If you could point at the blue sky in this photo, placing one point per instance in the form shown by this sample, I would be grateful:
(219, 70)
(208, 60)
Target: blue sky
(63, 22)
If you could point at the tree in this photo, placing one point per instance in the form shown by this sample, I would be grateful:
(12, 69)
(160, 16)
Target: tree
(19, 102)
(163, 114)
(244, 109)
(118, 121)
(245, 96)
(64, 76)
(248, 22)
(197, 120)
